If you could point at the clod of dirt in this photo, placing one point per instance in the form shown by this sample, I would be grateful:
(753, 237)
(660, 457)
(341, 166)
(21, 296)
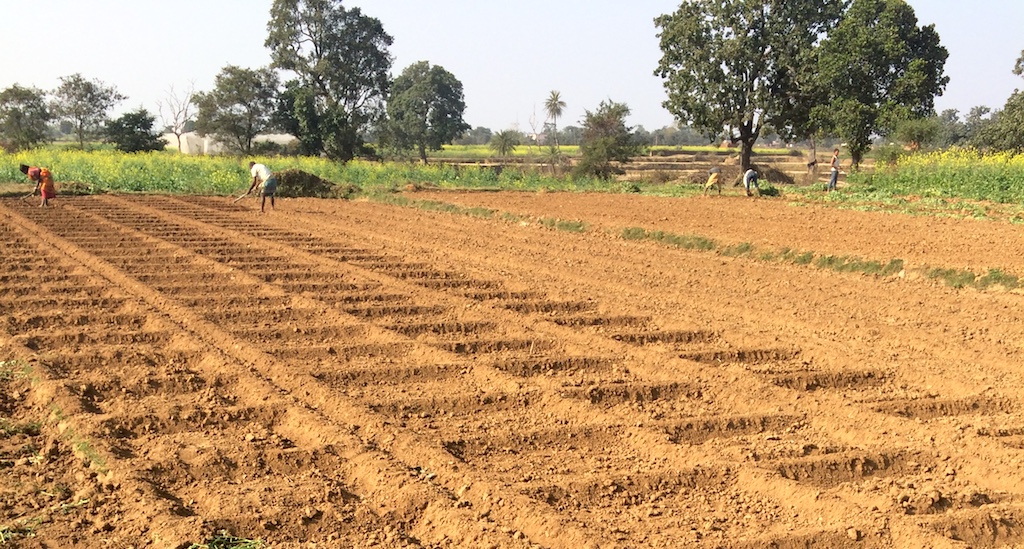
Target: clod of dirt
(298, 183)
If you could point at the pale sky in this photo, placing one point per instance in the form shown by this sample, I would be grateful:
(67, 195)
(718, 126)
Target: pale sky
(508, 55)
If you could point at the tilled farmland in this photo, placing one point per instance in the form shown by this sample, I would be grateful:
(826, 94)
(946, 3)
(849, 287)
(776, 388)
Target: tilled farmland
(351, 374)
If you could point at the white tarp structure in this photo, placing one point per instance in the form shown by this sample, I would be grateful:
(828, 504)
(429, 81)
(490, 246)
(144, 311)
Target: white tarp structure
(193, 143)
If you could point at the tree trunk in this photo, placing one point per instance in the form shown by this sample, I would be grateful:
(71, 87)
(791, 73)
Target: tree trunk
(423, 153)
(812, 164)
(746, 151)
(748, 136)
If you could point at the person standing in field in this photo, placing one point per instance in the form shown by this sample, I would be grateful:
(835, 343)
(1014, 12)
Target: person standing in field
(261, 175)
(44, 183)
(750, 182)
(834, 176)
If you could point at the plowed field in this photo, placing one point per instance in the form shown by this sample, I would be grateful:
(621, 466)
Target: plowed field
(352, 374)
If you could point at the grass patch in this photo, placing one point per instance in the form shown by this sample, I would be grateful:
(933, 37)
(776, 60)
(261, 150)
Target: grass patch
(510, 217)
(434, 206)
(14, 369)
(996, 277)
(952, 277)
(803, 259)
(739, 250)
(86, 448)
(224, 540)
(689, 242)
(30, 428)
(13, 532)
(563, 225)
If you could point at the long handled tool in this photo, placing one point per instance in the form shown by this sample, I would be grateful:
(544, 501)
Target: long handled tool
(240, 197)
(29, 195)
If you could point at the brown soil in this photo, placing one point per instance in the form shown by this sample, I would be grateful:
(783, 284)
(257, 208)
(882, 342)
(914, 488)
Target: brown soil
(352, 374)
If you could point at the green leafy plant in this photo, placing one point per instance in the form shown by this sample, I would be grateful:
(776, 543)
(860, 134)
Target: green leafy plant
(224, 540)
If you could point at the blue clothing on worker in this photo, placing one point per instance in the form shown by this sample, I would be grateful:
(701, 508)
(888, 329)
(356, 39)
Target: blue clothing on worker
(750, 180)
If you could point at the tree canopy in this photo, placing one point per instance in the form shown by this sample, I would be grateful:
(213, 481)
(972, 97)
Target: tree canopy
(425, 109)
(23, 117)
(735, 65)
(879, 67)
(606, 139)
(240, 107)
(84, 104)
(342, 65)
(505, 142)
(133, 132)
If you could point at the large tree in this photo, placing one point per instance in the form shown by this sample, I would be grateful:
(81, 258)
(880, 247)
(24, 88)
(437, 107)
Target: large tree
(736, 65)
(425, 109)
(240, 107)
(342, 65)
(133, 132)
(23, 117)
(879, 68)
(84, 104)
(606, 139)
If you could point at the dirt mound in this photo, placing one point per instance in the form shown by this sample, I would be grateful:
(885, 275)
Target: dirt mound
(298, 183)
(734, 175)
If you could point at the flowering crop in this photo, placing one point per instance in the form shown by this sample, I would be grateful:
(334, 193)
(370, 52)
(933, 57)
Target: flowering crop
(170, 172)
(953, 173)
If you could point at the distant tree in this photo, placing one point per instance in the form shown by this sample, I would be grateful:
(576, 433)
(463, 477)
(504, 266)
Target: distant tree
(736, 64)
(177, 112)
(570, 135)
(879, 68)
(1004, 129)
(642, 137)
(425, 109)
(554, 106)
(477, 136)
(85, 104)
(952, 131)
(239, 108)
(919, 132)
(133, 132)
(606, 139)
(505, 142)
(342, 65)
(974, 124)
(23, 117)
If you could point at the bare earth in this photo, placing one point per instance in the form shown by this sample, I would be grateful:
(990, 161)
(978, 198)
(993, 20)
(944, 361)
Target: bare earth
(352, 374)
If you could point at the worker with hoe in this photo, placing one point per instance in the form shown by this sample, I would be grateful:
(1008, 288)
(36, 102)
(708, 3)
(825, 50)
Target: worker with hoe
(44, 183)
(262, 175)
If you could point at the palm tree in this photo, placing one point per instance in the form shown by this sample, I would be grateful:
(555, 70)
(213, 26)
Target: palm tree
(504, 142)
(555, 106)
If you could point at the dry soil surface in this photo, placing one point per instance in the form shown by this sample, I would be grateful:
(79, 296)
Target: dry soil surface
(355, 374)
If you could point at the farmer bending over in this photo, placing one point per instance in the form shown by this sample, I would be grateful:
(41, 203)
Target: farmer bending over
(714, 180)
(262, 174)
(750, 182)
(44, 183)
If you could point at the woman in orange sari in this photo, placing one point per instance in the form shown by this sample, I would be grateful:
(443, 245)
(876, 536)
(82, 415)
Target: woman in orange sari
(44, 183)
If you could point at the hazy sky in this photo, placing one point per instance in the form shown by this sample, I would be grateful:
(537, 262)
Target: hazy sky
(508, 55)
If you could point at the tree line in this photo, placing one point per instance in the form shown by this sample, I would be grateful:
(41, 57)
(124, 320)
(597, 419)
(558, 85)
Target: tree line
(802, 70)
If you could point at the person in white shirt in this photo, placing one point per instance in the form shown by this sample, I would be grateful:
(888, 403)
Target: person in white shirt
(262, 174)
